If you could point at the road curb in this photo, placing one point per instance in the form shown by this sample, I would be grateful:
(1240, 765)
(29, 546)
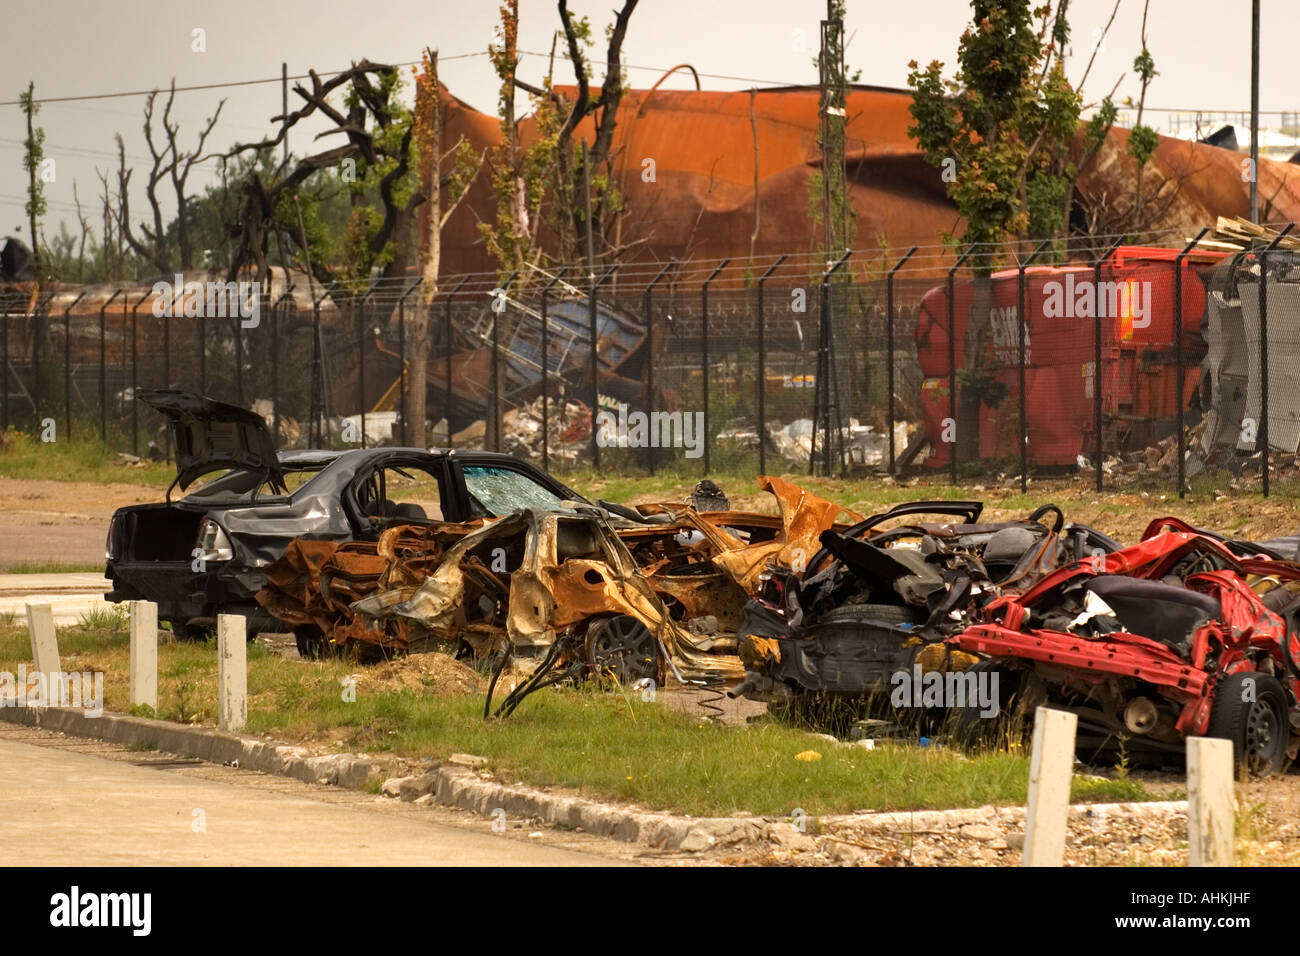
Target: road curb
(455, 785)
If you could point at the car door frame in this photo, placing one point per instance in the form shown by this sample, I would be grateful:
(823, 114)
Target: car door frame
(434, 464)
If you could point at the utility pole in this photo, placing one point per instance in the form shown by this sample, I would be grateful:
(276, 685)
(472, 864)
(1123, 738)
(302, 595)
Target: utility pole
(284, 107)
(1254, 111)
(833, 119)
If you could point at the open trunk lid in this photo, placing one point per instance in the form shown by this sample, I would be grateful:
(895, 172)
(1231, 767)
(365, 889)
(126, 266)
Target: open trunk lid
(213, 436)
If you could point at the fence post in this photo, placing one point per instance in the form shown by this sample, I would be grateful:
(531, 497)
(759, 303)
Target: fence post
(1099, 449)
(135, 378)
(45, 643)
(275, 358)
(203, 355)
(239, 362)
(546, 356)
(762, 367)
(1262, 433)
(144, 654)
(952, 368)
(823, 401)
(889, 352)
(1050, 767)
(67, 366)
(34, 356)
(704, 355)
(495, 378)
(314, 414)
(648, 319)
(1022, 326)
(232, 672)
(103, 365)
(1210, 807)
(447, 334)
(1178, 357)
(401, 358)
(592, 312)
(361, 358)
(4, 369)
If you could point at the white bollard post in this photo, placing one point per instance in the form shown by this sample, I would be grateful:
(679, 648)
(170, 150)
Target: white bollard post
(1211, 811)
(144, 654)
(1050, 768)
(45, 652)
(232, 672)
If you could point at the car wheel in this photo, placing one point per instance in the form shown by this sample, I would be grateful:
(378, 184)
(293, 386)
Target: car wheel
(970, 728)
(311, 642)
(198, 632)
(1250, 709)
(623, 646)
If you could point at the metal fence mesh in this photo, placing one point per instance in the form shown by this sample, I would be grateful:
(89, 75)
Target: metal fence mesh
(863, 371)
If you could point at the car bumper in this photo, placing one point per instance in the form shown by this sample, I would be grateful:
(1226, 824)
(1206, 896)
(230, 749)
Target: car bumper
(183, 594)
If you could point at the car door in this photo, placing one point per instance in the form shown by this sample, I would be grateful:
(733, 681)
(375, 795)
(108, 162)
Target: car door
(397, 488)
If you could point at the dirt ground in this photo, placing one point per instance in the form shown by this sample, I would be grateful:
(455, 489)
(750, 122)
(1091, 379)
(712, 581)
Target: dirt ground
(61, 522)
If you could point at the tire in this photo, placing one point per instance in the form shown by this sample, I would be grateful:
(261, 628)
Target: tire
(971, 730)
(197, 632)
(1250, 709)
(311, 643)
(624, 647)
(881, 613)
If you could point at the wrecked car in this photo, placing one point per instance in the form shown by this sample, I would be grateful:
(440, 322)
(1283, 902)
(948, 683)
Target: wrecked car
(659, 597)
(207, 552)
(875, 601)
(555, 594)
(1173, 637)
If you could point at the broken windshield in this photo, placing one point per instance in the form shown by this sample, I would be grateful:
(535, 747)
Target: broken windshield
(496, 491)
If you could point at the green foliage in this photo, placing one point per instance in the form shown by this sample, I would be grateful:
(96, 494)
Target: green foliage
(1142, 143)
(33, 155)
(1143, 140)
(1004, 121)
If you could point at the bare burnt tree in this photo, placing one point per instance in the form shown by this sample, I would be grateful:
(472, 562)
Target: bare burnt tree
(167, 163)
(603, 108)
(369, 114)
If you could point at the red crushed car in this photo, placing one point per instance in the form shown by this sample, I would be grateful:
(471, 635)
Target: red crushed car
(1177, 636)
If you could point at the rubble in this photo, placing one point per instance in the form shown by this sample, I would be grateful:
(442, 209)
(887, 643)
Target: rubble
(568, 430)
(655, 598)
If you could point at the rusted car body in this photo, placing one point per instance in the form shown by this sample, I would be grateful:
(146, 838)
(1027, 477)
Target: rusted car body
(658, 598)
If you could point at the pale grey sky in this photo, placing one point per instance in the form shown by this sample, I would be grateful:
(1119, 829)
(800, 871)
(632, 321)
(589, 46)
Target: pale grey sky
(1201, 48)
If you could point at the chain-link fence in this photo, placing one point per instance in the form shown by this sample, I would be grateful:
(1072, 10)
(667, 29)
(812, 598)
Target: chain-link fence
(1140, 363)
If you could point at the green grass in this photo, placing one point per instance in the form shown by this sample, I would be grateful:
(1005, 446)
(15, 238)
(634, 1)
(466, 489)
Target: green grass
(112, 618)
(25, 456)
(602, 744)
(51, 567)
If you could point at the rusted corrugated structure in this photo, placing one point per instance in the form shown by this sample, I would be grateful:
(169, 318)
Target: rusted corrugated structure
(705, 148)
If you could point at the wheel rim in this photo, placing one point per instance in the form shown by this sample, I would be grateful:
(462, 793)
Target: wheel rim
(1262, 733)
(624, 646)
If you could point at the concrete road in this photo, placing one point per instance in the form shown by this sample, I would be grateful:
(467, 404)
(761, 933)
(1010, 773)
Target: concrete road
(69, 595)
(61, 807)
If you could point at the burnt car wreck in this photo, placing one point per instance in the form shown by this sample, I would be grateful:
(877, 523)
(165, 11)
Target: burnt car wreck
(658, 594)
(874, 601)
(208, 551)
